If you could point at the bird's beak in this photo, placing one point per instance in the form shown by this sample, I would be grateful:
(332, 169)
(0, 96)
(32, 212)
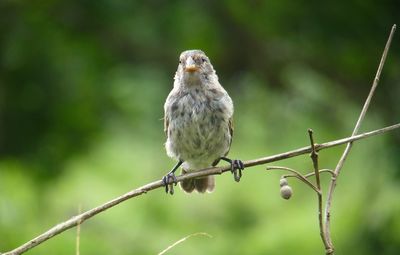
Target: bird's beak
(190, 65)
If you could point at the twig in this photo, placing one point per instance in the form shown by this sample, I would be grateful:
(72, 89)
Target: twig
(314, 158)
(79, 219)
(312, 174)
(295, 174)
(339, 166)
(182, 240)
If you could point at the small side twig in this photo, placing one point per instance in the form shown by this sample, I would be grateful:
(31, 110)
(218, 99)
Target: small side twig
(314, 158)
(296, 174)
(313, 173)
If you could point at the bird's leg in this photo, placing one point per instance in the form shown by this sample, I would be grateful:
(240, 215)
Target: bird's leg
(171, 175)
(236, 167)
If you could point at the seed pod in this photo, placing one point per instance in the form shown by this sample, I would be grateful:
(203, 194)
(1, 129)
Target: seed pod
(283, 182)
(286, 191)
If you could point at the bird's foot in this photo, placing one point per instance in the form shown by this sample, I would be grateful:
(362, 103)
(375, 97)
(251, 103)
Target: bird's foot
(169, 185)
(236, 167)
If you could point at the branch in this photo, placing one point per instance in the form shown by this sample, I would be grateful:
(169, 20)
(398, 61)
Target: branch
(314, 158)
(339, 166)
(312, 173)
(79, 219)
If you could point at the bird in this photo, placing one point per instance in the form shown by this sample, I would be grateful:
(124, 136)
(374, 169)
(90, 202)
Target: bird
(198, 123)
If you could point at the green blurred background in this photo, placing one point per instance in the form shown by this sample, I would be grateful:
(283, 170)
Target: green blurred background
(82, 88)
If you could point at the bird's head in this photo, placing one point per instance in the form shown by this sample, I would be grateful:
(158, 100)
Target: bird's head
(194, 66)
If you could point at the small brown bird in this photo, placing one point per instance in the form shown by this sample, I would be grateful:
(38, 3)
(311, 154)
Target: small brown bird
(198, 122)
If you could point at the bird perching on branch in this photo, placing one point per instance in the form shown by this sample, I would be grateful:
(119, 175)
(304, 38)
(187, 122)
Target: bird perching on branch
(198, 122)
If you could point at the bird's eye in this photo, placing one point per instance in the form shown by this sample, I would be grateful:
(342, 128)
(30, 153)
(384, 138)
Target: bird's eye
(180, 61)
(203, 60)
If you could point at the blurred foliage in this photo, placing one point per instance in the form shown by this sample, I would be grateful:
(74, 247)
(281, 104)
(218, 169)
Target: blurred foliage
(82, 85)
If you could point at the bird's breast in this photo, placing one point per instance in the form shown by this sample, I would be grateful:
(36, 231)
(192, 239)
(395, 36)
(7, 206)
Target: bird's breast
(198, 127)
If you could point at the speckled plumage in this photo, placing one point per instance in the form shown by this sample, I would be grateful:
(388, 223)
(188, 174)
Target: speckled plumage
(198, 118)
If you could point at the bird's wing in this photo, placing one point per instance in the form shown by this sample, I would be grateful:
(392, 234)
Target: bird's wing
(230, 123)
(230, 126)
(166, 124)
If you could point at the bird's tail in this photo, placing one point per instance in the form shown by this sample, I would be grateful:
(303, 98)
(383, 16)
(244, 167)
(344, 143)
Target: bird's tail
(201, 185)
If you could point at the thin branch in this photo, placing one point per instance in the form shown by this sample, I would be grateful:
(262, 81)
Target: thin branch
(314, 158)
(312, 173)
(321, 171)
(295, 174)
(182, 240)
(307, 149)
(79, 219)
(339, 166)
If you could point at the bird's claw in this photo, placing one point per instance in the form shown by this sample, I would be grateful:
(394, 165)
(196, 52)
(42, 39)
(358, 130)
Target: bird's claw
(236, 168)
(169, 185)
